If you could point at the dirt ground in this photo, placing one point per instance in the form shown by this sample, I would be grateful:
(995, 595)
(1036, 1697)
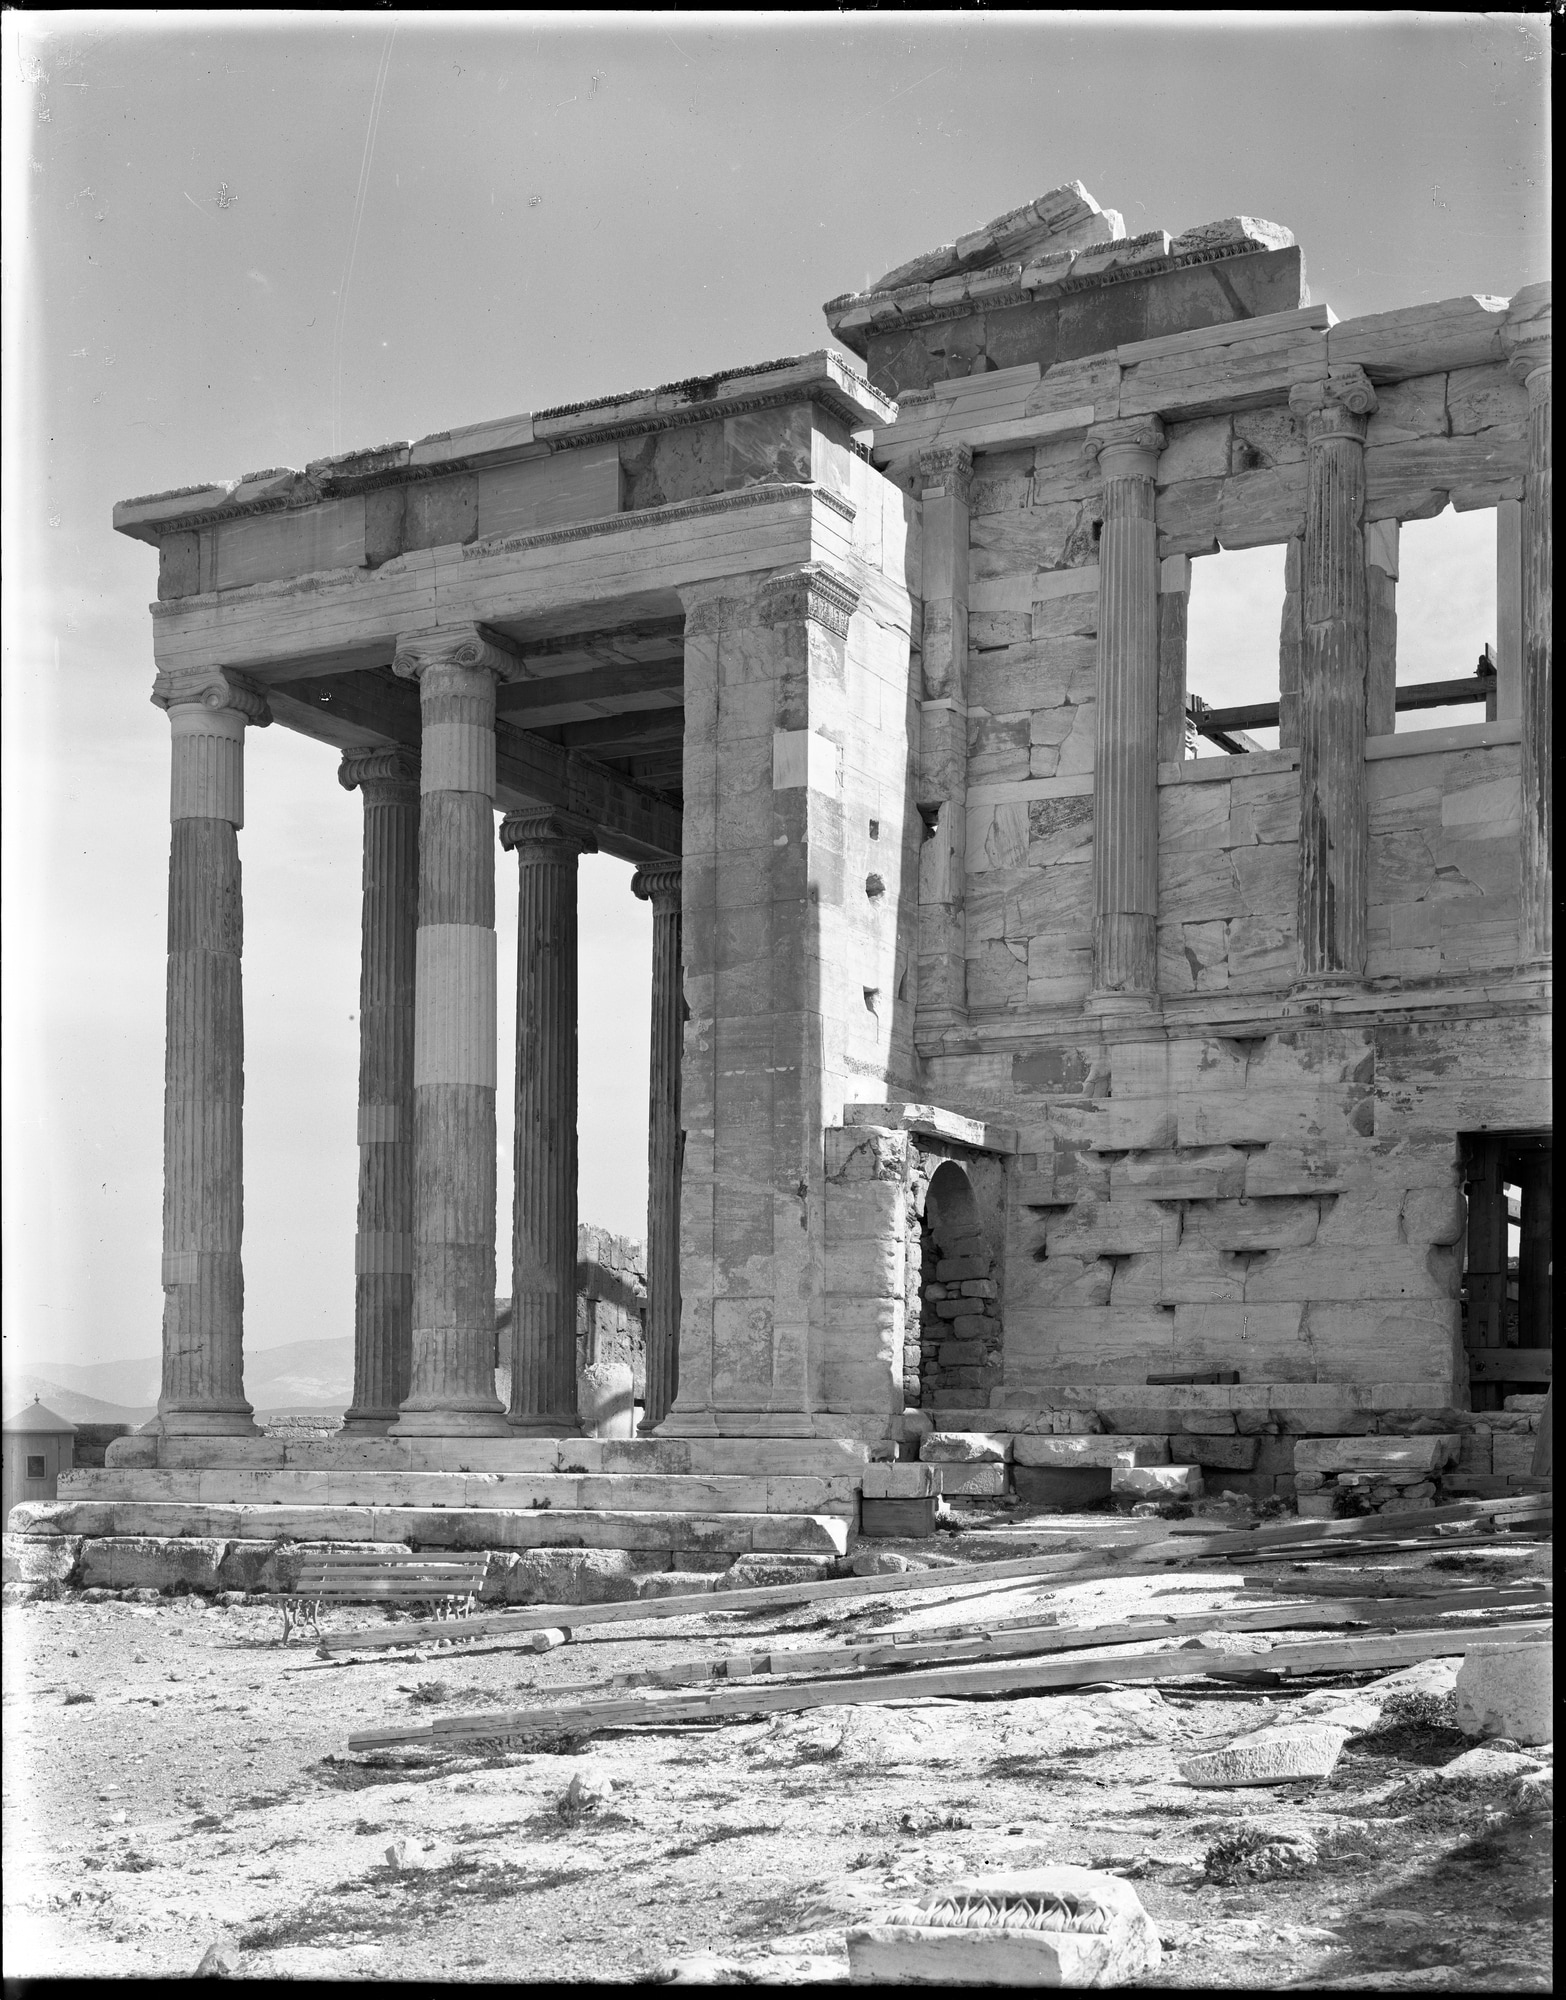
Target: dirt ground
(175, 1776)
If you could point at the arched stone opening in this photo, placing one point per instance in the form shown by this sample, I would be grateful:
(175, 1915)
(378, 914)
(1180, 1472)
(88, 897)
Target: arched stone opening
(960, 1314)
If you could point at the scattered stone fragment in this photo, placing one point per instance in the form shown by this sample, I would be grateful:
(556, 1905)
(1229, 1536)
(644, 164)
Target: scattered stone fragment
(1059, 1926)
(417, 1857)
(1507, 1690)
(1229, 1642)
(1487, 1765)
(1275, 1755)
(1157, 1482)
(1259, 1854)
(590, 1787)
(965, 1447)
(218, 1961)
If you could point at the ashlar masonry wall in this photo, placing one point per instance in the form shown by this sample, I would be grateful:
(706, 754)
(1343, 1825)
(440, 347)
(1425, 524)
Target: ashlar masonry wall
(1285, 1203)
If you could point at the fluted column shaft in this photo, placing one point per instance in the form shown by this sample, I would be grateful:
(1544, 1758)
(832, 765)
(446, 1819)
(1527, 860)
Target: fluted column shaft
(452, 1386)
(661, 885)
(388, 782)
(543, 1230)
(1537, 704)
(1125, 772)
(945, 486)
(1334, 832)
(202, 1390)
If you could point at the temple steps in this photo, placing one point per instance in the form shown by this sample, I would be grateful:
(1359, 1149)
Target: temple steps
(732, 1533)
(648, 1492)
(702, 1457)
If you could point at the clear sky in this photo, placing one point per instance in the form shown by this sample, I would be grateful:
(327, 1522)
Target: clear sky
(239, 242)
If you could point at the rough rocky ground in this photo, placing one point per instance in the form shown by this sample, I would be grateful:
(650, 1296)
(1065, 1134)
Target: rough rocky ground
(174, 1777)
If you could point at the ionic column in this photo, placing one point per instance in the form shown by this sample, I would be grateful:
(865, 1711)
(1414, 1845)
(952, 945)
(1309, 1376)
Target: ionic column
(1334, 653)
(543, 1238)
(203, 1388)
(452, 1388)
(945, 482)
(660, 885)
(388, 782)
(1125, 768)
(1526, 338)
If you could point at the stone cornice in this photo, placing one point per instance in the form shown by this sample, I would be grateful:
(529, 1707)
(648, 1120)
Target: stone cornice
(660, 883)
(394, 769)
(544, 832)
(470, 647)
(211, 687)
(853, 316)
(811, 592)
(822, 379)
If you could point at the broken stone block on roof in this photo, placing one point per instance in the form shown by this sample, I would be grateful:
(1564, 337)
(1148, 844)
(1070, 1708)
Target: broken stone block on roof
(1067, 218)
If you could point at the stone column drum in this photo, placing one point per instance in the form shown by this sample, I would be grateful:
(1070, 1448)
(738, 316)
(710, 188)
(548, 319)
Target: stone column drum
(543, 1237)
(660, 885)
(1125, 771)
(202, 1391)
(452, 1390)
(388, 783)
(1334, 834)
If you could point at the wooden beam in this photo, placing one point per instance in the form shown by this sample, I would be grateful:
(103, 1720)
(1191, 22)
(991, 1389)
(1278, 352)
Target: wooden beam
(1014, 1677)
(771, 1597)
(1068, 1566)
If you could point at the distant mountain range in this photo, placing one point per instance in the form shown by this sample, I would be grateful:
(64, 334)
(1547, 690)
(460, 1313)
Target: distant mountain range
(305, 1375)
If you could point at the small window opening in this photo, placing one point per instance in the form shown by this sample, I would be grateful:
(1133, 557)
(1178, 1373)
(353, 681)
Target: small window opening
(35, 1468)
(1234, 621)
(1450, 645)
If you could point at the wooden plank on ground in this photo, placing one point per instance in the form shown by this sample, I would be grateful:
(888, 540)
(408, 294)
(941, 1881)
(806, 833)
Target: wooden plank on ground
(1012, 1677)
(1360, 1527)
(766, 1598)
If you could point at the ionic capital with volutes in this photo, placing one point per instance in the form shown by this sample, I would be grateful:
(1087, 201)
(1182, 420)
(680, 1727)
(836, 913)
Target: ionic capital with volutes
(1525, 340)
(543, 833)
(1126, 447)
(1340, 406)
(946, 472)
(385, 774)
(660, 883)
(812, 592)
(212, 688)
(465, 648)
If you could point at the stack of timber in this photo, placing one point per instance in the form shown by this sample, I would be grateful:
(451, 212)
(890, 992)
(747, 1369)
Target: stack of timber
(1026, 1654)
(1295, 1541)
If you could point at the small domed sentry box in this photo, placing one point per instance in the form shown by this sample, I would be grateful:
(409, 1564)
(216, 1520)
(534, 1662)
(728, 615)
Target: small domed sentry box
(38, 1447)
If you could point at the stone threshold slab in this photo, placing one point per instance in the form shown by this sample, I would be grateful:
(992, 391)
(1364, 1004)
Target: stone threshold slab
(441, 1527)
(355, 1487)
(703, 1457)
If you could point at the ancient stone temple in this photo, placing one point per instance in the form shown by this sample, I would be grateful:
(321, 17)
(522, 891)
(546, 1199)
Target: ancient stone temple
(1014, 1068)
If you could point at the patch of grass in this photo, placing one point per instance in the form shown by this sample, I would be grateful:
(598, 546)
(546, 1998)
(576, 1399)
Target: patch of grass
(432, 1892)
(689, 1847)
(1415, 1729)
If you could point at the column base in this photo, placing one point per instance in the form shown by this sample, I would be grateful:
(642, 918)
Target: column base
(368, 1423)
(1122, 1003)
(206, 1420)
(686, 1424)
(564, 1424)
(446, 1420)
